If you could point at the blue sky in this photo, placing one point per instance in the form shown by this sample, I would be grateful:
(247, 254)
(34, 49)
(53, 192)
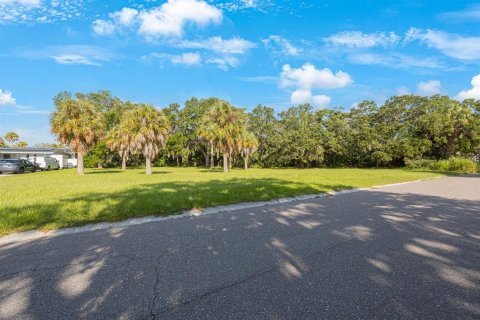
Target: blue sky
(272, 52)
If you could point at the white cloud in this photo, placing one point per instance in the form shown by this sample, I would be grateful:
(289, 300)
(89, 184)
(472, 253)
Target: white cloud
(280, 46)
(171, 17)
(226, 50)
(429, 88)
(188, 58)
(73, 58)
(395, 60)
(260, 79)
(308, 77)
(39, 11)
(103, 27)
(70, 54)
(302, 96)
(358, 39)
(218, 44)
(33, 3)
(168, 19)
(450, 44)
(250, 3)
(225, 63)
(473, 93)
(6, 98)
(236, 5)
(125, 17)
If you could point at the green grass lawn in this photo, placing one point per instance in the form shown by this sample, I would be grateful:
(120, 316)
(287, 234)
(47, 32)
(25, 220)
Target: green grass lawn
(57, 199)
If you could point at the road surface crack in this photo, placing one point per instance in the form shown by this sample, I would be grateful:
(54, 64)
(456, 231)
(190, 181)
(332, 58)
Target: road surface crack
(155, 286)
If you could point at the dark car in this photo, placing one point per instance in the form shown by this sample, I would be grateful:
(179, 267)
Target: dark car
(16, 166)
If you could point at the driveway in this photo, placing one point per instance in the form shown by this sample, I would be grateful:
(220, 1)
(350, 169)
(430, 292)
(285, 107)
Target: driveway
(410, 251)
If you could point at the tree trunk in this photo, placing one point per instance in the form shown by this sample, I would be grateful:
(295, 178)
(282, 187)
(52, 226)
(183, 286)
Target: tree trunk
(207, 159)
(124, 163)
(148, 166)
(245, 161)
(80, 163)
(212, 159)
(230, 162)
(225, 162)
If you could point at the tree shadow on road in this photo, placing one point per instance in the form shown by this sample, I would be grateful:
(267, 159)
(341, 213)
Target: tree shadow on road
(371, 254)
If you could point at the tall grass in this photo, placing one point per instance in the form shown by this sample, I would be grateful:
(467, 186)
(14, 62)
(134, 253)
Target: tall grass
(461, 165)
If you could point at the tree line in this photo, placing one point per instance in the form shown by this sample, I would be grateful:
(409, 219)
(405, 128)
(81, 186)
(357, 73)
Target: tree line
(208, 132)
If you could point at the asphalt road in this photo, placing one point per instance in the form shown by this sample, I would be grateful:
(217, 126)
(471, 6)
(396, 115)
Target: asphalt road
(402, 252)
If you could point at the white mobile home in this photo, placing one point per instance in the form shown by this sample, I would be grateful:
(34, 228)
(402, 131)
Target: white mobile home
(66, 158)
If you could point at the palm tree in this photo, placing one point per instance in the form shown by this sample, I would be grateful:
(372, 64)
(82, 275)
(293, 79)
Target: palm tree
(78, 123)
(247, 145)
(11, 137)
(120, 139)
(121, 143)
(149, 128)
(205, 132)
(222, 126)
(21, 144)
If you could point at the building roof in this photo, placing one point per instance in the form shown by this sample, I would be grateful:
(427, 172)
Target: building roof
(36, 150)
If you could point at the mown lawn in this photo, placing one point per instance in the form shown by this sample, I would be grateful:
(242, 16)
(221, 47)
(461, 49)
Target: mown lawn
(57, 199)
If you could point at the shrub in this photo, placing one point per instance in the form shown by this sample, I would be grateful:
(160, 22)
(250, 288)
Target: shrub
(458, 165)
(452, 164)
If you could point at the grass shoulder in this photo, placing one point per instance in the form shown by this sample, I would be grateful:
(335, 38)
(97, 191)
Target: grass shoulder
(59, 199)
